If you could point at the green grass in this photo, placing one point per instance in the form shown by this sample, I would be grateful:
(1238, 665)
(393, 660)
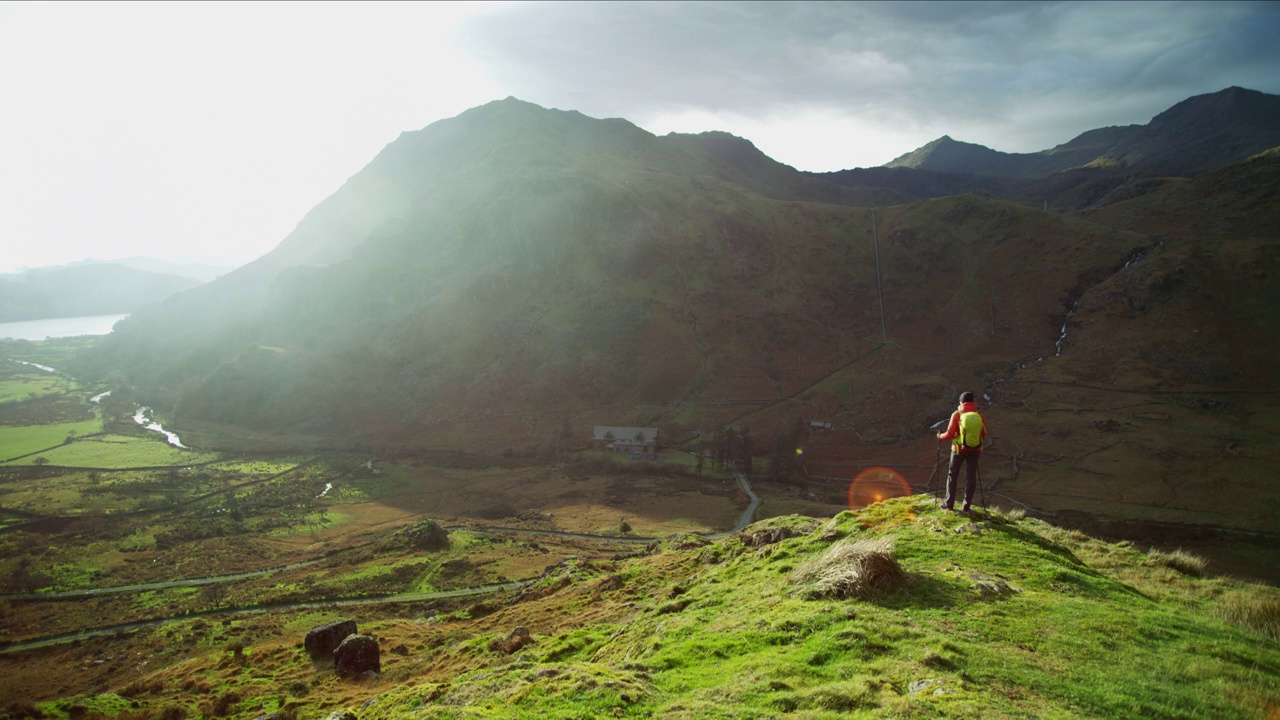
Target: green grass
(16, 441)
(118, 451)
(274, 466)
(364, 486)
(312, 522)
(27, 388)
(1016, 619)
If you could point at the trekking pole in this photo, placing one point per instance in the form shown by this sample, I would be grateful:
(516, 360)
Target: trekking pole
(982, 490)
(937, 460)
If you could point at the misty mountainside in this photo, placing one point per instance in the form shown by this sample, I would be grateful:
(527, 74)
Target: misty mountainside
(1197, 135)
(499, 277)
(528, 261)
(83, 289)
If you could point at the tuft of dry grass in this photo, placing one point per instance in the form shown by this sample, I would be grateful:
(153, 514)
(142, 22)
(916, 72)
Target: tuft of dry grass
(851, 569)
(1259, 614)
(1187, 563)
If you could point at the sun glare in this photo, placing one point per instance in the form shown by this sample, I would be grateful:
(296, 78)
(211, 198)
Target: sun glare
(875, 484)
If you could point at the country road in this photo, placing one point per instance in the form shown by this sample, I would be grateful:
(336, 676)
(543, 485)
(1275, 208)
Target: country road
(743, 520)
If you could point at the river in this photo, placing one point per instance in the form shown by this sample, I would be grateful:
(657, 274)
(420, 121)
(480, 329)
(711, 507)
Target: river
(60, 327)
(141, 418)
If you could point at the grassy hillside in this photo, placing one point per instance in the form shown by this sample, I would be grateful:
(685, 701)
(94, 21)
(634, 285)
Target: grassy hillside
(993, 616)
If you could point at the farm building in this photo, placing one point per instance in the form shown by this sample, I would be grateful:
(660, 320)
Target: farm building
(626, 439)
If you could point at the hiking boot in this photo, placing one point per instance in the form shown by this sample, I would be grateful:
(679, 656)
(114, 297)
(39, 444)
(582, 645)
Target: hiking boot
(965, 509)
(948, 507)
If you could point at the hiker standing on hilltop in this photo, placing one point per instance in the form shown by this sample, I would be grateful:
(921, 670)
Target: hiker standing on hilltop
(966, 432)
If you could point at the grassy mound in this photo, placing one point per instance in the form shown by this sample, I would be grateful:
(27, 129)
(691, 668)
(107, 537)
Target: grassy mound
(901, 611)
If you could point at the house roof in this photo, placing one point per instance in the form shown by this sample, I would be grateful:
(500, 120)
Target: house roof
(635, 434)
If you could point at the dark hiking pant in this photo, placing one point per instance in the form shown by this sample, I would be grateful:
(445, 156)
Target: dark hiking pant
(970, 461)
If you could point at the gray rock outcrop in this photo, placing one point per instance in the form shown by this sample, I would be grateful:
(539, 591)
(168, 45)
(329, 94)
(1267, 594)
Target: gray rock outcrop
(324, 639)
(357, 654)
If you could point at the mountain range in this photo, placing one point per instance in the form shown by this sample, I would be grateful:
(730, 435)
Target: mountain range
(1199, 134)
(499, 276)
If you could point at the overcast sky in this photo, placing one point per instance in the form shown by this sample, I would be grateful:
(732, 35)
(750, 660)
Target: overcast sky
(206, 131)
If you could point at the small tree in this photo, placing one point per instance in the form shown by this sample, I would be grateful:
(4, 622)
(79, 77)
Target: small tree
(41, 461)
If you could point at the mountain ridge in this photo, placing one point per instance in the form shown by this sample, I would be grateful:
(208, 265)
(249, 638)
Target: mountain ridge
(1196, 135)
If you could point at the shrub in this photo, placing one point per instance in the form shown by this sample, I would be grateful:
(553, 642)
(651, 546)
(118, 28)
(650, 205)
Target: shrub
(851, 569)
(236, 648)
(1184, 562)
(1261, 615)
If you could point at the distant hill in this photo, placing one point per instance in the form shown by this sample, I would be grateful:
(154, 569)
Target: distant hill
(204, 272)
(83, 289)
(1197, 135)
(953, 156)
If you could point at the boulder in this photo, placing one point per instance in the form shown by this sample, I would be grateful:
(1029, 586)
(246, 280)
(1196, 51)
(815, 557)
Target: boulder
(518, 638)
(428, 535)
(357, 654)
(324, 639)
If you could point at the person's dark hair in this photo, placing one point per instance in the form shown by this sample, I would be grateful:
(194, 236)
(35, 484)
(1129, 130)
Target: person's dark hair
(966, 397)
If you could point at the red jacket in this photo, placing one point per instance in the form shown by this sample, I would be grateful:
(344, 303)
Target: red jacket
(953, 429)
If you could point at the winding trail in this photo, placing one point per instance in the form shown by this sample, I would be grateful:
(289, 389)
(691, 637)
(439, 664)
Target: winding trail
(256, 609)
(164, 585)
(744, 520)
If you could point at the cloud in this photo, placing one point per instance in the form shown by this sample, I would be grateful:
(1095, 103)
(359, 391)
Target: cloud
(977, 71)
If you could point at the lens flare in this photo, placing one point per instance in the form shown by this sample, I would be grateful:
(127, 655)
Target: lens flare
(875, 484)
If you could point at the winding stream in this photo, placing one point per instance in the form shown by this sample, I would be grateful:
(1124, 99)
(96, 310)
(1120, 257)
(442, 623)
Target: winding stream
(141, 418)
(38, 366)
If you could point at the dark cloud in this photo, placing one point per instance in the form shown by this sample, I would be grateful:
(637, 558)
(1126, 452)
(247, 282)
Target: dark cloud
(985, 69)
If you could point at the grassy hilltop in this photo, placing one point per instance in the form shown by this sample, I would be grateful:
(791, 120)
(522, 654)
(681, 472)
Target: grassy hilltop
(992, 616)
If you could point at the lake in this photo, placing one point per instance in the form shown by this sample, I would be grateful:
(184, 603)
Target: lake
(59, 327)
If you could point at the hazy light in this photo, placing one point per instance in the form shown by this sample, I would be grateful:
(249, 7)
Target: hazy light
(190, 130)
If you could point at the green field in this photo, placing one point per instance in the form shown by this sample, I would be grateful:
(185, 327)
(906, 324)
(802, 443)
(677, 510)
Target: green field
(273, 466)
(113, 451)
(16, 441)
(17, 390)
